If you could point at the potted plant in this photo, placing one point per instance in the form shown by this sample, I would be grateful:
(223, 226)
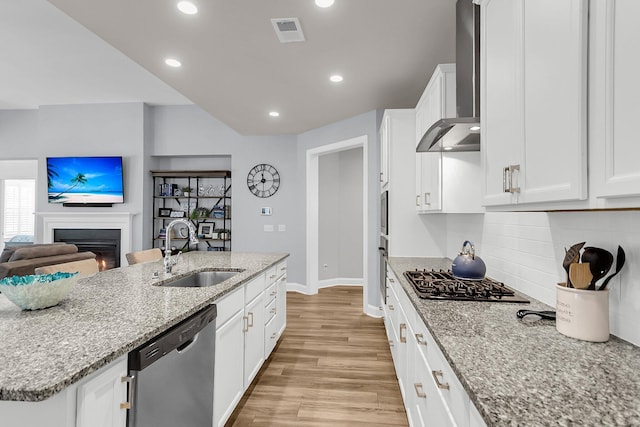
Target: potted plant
(199, 213)
(186, 191)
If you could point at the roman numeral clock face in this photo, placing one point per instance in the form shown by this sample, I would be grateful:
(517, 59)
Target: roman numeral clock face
(263, 180)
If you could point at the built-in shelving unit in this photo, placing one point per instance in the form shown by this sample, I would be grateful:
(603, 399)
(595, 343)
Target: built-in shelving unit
(207, 206)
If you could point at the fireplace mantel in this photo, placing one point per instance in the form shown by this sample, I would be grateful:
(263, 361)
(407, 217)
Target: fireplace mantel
(114, 220)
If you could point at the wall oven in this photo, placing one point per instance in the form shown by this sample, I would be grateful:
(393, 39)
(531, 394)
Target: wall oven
(383, 268)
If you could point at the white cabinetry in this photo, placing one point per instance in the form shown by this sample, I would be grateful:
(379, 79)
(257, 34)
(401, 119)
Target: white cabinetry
(246, 333)
(102, 400)
(614, 68)
(446, 182)
(534, 103)
(385, 129)
(432, 393)
(228, 382)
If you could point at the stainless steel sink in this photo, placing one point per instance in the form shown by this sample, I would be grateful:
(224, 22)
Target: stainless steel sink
(201, 279)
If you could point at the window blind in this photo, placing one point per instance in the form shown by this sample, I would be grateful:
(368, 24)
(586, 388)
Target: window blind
(19, 206)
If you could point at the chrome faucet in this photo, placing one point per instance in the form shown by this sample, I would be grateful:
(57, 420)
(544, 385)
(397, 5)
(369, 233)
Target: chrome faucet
(193, 238)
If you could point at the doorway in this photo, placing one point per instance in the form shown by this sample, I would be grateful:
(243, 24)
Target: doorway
(314, 278)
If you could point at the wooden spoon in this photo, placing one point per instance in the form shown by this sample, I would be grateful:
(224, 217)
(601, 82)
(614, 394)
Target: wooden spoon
(580, 275)
(572, 255)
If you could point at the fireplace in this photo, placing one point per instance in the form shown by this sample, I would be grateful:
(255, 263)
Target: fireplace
(105, 243)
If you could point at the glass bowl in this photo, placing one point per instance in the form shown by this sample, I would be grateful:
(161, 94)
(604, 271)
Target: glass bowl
(38, 291)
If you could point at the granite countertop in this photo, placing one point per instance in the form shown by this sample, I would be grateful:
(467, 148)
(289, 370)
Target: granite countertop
(104, 317)
(522, 372)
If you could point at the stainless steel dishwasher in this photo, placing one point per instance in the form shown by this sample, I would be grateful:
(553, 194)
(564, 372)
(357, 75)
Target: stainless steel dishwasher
(173, 375)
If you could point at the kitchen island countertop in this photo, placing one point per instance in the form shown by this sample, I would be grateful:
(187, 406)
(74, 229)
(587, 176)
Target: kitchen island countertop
(104, 317)
(526, 373)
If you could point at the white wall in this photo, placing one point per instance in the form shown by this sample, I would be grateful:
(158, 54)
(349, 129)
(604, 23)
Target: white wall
(525, 250)
(18, 134)
(340, 215)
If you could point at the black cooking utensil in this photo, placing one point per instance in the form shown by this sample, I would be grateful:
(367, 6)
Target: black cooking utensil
(600, 262)
(620, 259)
(545, 314)
(572, 255)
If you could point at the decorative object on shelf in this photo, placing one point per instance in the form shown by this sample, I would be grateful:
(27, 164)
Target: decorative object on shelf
(164, 190)
(176, 192)
(217, 213)
(177, 214)
(210, 190)
(200, 213)
(263, 180)
(188, 207)
(186, 191)
(222, 191)
(201, 190)
(205, 230)
(162, 234)
(164, 212)
(34, 292)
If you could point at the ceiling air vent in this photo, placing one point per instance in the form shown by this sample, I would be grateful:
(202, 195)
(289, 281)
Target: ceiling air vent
(288, 29)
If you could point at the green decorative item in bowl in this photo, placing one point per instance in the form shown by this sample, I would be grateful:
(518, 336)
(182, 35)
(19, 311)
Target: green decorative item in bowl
(38, 291)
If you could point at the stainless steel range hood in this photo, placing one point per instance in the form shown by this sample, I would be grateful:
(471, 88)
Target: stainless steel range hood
(463, 132)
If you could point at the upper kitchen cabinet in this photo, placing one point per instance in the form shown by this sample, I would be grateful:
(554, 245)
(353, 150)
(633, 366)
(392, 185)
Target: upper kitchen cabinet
(446, 182)
(533, 101)
(385, 136)
(614, 67)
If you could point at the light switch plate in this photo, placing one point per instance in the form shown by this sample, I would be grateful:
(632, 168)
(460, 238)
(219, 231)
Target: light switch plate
(282, 227)
(265, 211)
(268, 227)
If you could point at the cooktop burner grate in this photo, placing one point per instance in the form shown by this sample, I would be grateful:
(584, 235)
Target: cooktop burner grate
(442, 285)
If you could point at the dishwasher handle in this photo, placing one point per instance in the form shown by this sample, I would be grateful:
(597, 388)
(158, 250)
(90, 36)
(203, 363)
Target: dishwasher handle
(187, 345)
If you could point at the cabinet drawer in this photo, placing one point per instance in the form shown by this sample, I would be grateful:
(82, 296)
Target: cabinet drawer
(254, 288)
(272, 274)
(269, 311)
(270, 293)
(229, 305)
(282, 268)
(270, 336)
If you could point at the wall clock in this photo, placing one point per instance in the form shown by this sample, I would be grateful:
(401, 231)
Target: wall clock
(263, 180)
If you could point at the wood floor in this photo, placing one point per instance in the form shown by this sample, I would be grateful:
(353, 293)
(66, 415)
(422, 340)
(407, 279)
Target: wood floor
(332, 367)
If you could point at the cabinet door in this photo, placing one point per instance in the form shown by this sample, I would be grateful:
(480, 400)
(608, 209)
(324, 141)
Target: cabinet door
(99, 399)
(500, 96)
(281, 305)
(555, 94)
(228, 384)
(431, 195)
(614, 94)
(253, 339)
(385, 137)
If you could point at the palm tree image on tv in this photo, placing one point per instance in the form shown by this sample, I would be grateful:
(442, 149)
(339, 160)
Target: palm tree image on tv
(84, 180)
(77, 180)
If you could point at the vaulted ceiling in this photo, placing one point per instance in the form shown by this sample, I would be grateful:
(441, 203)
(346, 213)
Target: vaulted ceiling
(233, 65)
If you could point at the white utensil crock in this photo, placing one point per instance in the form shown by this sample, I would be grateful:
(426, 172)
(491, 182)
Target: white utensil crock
(583, 314)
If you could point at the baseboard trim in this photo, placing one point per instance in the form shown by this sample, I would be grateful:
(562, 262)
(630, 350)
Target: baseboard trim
(300, 288)
(339, 282)
(373, 311)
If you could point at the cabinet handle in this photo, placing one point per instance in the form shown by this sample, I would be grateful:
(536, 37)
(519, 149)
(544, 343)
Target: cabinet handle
(283, 269)
(131, 381)
(403, 327)
(272, 276)
(437, 374)
(272, 311)
(421, 394)
(390, 343)
(250, 321)
(419, 338)
(273, 336)
(391, 280)
(505, 187)
(245, 319)
(418, 200)
(427, 199)
(512, 169)
(391, 307)
(273, 293)
(381, 175)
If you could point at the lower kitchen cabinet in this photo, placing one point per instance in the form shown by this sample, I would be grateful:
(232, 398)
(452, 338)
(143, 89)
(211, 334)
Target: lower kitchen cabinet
(102, 401)
(99, 400)
(253, 338)
(431, 392)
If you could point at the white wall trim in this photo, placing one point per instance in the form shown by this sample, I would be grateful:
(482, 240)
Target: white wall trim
(312, 210)
(100, 220)
(299, 288)
(340, 282)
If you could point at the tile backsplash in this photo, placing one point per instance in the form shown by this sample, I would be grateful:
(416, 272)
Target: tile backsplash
(525, 250)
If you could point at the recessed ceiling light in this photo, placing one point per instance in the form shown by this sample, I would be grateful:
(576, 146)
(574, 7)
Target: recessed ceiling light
(448, 148)
(274, 113)
(336, 78)
(324, 3)
(171, 62)
(187, 7)
(474, 128)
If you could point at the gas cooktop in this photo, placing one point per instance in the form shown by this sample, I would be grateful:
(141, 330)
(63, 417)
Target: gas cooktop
(442, 285)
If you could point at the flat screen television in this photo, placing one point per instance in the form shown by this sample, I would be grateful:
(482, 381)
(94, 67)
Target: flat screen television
(85, 181)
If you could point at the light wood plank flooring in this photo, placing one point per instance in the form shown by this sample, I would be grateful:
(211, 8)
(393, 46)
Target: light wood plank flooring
(332, 367)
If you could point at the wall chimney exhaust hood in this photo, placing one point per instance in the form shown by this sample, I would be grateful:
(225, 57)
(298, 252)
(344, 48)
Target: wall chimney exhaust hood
(463, 132)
